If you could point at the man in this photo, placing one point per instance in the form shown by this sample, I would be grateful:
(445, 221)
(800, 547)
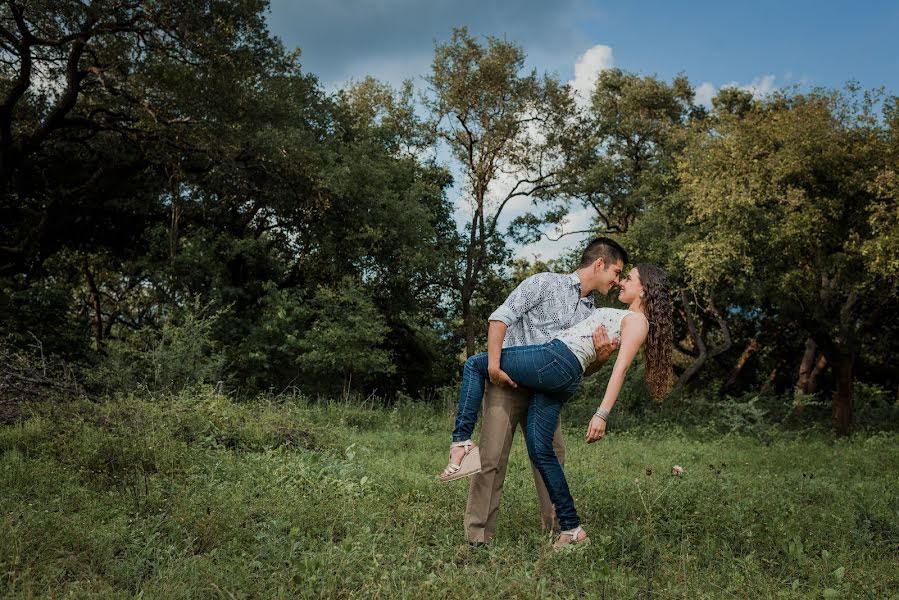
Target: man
(538, 309)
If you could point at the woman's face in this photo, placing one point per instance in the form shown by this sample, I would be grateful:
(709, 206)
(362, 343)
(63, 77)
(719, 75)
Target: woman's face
(630, 288)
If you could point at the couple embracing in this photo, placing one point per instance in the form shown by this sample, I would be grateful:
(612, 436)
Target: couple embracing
(541, 342)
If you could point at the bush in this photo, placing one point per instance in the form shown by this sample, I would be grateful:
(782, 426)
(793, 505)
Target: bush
(28, 377)
(180, 354)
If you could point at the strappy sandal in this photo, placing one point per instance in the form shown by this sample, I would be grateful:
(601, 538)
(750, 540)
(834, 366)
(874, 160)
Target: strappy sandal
(469, 465)
(572, 541)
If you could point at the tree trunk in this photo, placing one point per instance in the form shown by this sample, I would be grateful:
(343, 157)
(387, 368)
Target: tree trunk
(810, 370)
(95, 301)
(173, 229)
(843, 364)
(698, 343)
(772, 377)
(814, 381)
(468, 326)
(751, 348)
(841, 415)
(806, 365)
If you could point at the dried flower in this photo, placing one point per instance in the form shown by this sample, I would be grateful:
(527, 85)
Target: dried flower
(648, 470)
(677, 470)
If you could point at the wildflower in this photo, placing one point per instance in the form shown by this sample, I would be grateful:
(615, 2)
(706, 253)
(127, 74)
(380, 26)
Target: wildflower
(677, 470)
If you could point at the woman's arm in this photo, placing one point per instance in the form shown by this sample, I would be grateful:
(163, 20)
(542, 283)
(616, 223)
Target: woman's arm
(633, 333)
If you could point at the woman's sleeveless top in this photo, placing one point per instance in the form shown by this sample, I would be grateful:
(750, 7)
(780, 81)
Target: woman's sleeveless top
(579, 338)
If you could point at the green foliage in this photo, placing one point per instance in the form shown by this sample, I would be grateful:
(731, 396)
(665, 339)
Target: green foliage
(879, 248)
(198, 160)
(790, 201)
(345, 336)
(41, 314)
(624, 163)
(781, 206)
(185, 154)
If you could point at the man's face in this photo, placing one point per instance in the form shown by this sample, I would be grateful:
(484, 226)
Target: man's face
(609, 276)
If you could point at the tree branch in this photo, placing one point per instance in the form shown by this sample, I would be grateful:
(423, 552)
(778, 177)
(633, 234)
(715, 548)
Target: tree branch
(697, 340)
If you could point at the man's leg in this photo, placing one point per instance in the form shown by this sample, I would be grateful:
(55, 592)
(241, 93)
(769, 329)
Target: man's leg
(547, 512)
(503, 409)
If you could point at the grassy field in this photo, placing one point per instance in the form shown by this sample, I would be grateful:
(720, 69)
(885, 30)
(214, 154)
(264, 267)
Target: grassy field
(201, 497)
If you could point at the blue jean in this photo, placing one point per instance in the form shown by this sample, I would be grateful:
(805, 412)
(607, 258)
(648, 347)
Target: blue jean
(553, 374)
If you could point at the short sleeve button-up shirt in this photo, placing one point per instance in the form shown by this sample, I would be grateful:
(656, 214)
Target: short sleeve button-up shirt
(541, 307)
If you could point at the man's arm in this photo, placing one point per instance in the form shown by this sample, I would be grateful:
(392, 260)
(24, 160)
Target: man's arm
(604, 348)
(496, 333)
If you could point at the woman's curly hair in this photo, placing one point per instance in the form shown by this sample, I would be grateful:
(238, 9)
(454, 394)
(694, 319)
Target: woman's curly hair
(659, 312)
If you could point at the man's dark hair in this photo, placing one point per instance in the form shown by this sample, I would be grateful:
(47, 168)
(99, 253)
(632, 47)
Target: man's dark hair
(602, 247)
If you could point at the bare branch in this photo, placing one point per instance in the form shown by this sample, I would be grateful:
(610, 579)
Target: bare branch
(725, 330)
(68, 98)
(537, 185)
(561, 235)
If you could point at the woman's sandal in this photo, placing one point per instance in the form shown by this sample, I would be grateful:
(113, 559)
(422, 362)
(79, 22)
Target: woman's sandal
(572, 539)
(469, 465)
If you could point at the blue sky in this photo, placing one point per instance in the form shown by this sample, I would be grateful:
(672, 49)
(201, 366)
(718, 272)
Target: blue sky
(822, 43)
(760, 45)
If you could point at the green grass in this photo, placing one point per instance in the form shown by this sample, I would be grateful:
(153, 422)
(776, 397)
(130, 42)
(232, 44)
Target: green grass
(200, 497)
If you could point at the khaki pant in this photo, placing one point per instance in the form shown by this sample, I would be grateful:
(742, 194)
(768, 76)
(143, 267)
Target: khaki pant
(503, 410)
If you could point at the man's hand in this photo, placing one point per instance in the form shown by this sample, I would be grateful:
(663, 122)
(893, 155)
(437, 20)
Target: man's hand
(500, 378)
(604, 348)
(596, 429)
(603, 345)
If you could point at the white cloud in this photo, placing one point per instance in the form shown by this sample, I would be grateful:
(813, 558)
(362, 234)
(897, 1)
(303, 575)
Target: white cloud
(587, 69)
(759, 87)
(704, 93)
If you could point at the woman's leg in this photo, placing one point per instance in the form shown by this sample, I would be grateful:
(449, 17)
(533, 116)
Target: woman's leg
(545, 367)
(474, 375)
(543, 413)
(549, 367)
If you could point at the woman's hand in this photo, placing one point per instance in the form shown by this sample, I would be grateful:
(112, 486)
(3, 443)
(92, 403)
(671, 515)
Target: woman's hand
(596, 429)
(500, 378)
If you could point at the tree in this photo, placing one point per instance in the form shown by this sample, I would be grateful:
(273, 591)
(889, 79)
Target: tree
(105, 106)
(623, 161)
(502, 127)
(781, 199)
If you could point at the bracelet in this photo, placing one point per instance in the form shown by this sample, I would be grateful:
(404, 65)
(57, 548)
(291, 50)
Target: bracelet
(602, 414)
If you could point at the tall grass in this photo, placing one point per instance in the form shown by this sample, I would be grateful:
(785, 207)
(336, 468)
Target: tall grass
(199, 496)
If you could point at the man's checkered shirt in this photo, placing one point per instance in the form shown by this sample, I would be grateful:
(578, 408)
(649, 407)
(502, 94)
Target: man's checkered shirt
(541, 307)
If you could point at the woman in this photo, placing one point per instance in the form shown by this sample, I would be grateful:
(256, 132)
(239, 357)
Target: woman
(553, 371)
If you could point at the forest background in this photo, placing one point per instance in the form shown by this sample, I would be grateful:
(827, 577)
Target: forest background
(183, 203)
